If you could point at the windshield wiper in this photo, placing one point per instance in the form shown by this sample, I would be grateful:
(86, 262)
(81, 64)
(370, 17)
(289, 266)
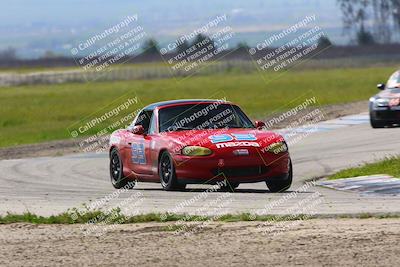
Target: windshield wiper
(181, 128)
(233, 126)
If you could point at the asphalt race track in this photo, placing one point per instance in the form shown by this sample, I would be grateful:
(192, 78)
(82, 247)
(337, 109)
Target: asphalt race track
(52, 185)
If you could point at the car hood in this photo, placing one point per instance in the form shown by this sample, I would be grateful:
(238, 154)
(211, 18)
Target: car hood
(388, 93)
(223, 138)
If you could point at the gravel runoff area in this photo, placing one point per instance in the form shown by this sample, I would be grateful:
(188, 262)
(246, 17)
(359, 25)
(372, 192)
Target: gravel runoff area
(69, 146)
(317, 242)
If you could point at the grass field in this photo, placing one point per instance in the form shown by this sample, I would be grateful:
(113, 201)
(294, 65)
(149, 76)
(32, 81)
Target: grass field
(30, 114)
(117, 217)
(390, 166)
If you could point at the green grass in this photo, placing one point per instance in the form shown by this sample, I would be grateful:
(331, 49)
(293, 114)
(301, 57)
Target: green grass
(93, 217)
(31, 114)
(118, 217)
(390, 166)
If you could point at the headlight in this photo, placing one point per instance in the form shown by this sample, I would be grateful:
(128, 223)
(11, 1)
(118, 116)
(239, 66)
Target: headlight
(276, 148)
(196, 151)
(381, 102)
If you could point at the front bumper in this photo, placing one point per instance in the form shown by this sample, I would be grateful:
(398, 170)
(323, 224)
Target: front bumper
(256, 167)
(385, 115)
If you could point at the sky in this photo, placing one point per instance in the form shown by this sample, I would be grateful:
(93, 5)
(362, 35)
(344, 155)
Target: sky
(33, 27)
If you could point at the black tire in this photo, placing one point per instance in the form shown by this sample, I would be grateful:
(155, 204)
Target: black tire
(281, 184)
(166, 171)
(376, 124)
(118, 180)
(229, 187)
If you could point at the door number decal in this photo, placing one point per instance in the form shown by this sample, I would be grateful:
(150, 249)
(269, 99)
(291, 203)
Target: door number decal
(138, 153)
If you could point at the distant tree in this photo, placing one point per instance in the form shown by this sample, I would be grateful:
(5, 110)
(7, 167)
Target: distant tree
(182, 47)
(50, 54)
(150, 47)
(8, 54)
(364, 37)
(199, 38)
(202, 41)
(383, 17)
(324, 41)
(243, 46)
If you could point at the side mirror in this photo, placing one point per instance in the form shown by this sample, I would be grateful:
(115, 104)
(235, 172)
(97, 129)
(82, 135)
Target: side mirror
(138, 129)
(380, 86)
(259, 124)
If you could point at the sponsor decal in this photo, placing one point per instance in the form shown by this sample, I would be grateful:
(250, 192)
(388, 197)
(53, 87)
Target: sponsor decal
(222, 138)
(236, 144)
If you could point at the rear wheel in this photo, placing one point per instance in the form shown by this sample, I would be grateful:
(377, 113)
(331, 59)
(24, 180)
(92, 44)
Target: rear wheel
(166, 170)
(281, 184)
(118, 180)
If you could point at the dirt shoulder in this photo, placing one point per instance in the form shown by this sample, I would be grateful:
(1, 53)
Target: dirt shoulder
(328, 242)
(51, 149)
(69, 146)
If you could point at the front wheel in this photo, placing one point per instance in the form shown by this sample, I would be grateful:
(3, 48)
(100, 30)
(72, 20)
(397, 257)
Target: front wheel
(376, 124)
(118, 180)
(281, 184)
(166, 170)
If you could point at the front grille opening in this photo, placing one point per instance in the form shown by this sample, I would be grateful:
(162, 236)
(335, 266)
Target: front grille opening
(240, 172)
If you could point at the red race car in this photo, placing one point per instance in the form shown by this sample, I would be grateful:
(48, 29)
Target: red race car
(183, 142)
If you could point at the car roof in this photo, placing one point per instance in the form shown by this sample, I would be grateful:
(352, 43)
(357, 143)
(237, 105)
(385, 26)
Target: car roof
(183, 101)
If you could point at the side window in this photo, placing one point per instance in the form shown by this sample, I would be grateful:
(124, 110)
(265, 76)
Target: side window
(153, 124)
(144, 119)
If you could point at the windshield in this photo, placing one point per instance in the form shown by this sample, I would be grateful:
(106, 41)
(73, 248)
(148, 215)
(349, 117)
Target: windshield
(394, 81)
(394, 90)
(202, 116)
